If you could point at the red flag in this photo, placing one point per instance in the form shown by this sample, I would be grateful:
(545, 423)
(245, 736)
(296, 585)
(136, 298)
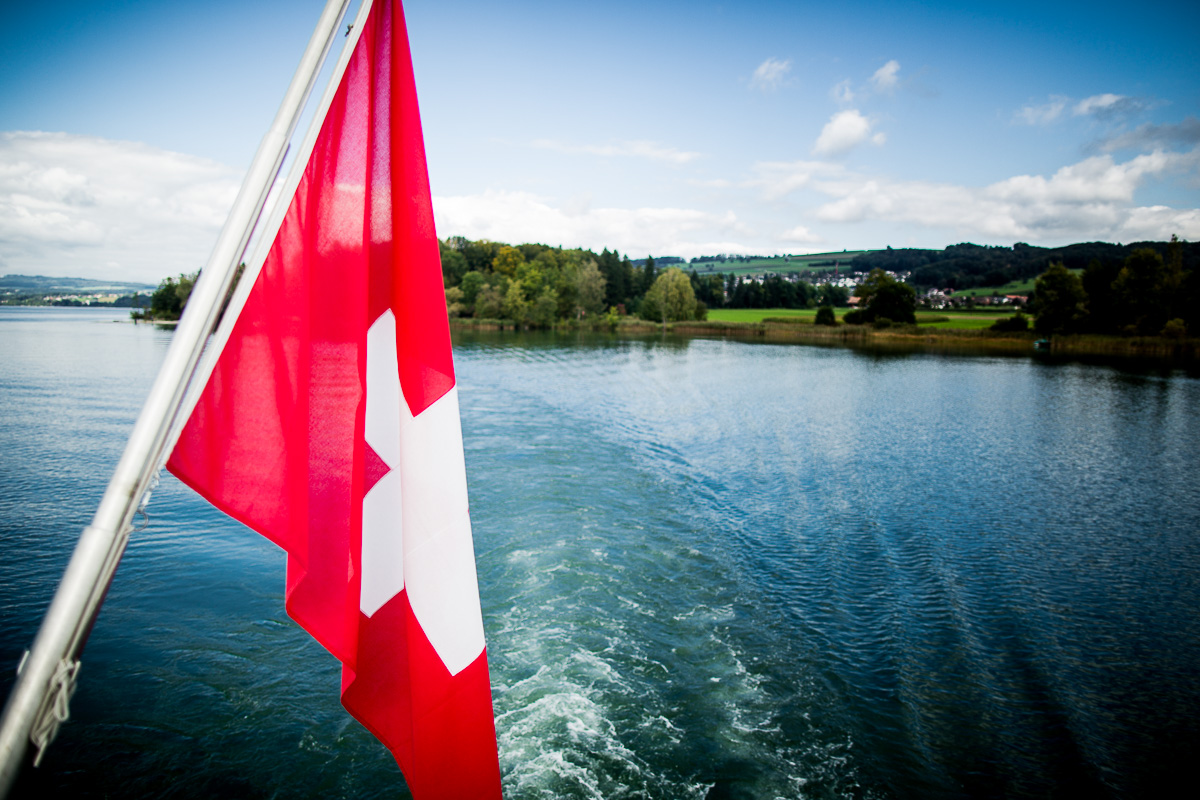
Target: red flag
(330, 425)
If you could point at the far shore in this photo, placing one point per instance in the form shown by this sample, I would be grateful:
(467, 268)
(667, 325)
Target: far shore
(801, 330)
(895, 337)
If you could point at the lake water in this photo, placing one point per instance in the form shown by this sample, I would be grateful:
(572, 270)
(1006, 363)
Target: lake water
(708, 569)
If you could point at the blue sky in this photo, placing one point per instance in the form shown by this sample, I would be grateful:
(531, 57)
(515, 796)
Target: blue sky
(648, 127)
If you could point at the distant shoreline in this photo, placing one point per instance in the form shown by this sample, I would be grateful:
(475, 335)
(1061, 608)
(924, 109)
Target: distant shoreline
(894, 338)
(898, 337)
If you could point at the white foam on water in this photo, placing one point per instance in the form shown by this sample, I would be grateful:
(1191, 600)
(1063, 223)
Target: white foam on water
(620, 623)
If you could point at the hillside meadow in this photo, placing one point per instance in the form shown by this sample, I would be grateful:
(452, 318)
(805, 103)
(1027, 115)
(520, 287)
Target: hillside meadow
(954, 320)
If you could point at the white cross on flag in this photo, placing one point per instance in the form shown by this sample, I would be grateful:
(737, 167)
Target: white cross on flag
(330, 425)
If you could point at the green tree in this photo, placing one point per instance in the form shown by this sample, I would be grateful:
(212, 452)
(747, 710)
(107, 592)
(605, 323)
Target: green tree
(670, 299)
(1142, 292)
(1103, 314)
(479, 254)
(831, 295)
(589, 286)
(883, 297)
(471, 285)
(544, 308)
(625, 282)
(489, 303)
(647, 277)
(531, 277)
(1016, 323)
(171, 296)
(454, 265)
(616, 281)
(1174, 278)
(1059, 301)
(516, 307)
(709, 289)
(454, 304)
(825, 316)
(1174, 329)
(507, 260)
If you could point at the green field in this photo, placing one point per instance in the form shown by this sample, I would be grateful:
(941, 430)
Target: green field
(973, 321)
(758, 314)
(780, 264)
(1013, 287)
(953, 320)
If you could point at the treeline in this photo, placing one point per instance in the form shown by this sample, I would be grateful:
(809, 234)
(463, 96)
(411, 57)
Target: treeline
(970, 266)
(45, 284)
(535, 284)
(168, 301)
(83, 301)
(539, 285)
(773, 291)
(1152, 292)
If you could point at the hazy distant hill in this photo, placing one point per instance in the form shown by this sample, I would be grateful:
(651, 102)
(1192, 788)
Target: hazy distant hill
(43, 283)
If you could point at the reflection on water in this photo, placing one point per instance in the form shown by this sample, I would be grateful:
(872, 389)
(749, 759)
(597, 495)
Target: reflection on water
(708, 568)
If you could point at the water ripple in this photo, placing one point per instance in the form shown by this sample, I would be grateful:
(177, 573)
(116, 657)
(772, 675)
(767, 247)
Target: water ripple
(707, 569)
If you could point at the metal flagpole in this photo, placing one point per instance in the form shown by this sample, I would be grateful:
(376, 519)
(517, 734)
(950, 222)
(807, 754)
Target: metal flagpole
(267, 231)
(46, 678)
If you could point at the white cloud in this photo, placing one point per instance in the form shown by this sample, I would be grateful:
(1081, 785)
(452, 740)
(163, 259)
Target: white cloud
(1099, 102)
(1150, 136)
(1105, 106)
(1157, 223)
(885, 78)
(800, 235)
(523, 217)
(844, 131)
(1092, 199)
(842, 94)
(577, 204)
(771, 74)
(93, 207)
(1094, 180)
(777, 179)
(1112, 106)
(1043, 114)
(636, 149)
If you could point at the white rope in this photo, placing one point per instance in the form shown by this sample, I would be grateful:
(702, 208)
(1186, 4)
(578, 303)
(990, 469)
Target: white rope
(58, 710)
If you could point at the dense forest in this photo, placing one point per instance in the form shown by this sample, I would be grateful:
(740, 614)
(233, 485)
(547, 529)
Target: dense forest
(1153, 291)
(968, 266)
(535, 284)
(1149, 289)
(1146, 288)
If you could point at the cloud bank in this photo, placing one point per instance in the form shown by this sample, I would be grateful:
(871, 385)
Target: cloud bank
(78, 205)
(82, 205)
(1091, 199)
(524, 217)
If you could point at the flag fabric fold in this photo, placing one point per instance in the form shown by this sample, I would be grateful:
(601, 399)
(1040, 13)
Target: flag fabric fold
(330, 425)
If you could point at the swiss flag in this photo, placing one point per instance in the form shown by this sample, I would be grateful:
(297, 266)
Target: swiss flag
(330, 425)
